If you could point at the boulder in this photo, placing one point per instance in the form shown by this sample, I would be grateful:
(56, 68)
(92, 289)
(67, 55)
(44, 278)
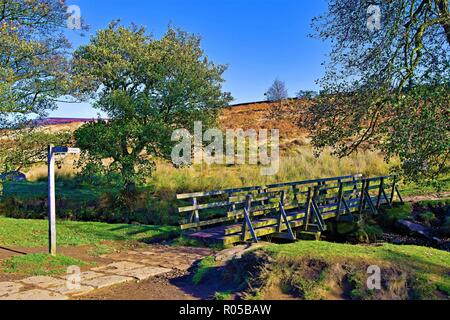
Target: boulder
(412, 228)
(236, 252)
(13, 176)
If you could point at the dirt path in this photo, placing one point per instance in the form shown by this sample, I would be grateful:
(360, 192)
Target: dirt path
(430, 197)
(173, 286)
(176, 285)
(151, 272)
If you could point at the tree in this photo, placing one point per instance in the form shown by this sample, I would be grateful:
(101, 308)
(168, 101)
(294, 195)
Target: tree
(24, 148)
(277, 91)
(33, 58)
(306, 94)
(387, 84)
(147, 87)
(33, 63)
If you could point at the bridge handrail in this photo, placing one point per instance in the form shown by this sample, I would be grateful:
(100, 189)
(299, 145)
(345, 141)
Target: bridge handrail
(184, 196)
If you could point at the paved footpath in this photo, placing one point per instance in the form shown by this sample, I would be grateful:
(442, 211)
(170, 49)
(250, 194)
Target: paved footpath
(137, 265)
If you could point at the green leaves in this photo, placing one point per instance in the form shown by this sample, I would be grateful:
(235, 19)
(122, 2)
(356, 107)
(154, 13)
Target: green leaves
(33, 58)
(24, 148)
(387, 89)
(147, 88)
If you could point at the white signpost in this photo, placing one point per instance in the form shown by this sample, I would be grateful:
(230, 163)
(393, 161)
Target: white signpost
(52, 151)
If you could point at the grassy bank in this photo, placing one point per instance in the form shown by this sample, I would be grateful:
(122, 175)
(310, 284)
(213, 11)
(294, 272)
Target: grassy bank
(313, 270)
(33, 233)
(88, 239)
(40, 264)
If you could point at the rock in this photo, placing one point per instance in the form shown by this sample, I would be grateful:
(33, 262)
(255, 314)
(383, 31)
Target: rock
(119, 267)
(144, 273)
(236, 252)
(412, 228)
(87, 275)
(13, 176)
(43, 281)
(7, 288)
(107, 281)
(36, 294)
(69, 290)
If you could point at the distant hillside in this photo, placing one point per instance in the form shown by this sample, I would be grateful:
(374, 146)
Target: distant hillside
(59, 121)
(252, 115)
(269, 115)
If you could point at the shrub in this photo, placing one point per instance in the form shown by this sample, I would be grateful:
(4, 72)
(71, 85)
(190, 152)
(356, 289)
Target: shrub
(389, 217)
(428, 218)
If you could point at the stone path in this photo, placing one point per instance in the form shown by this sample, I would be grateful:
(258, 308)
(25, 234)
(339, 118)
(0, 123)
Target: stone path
(137, 265)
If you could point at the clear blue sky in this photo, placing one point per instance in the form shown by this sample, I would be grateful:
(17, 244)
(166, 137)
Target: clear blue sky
(260, 40)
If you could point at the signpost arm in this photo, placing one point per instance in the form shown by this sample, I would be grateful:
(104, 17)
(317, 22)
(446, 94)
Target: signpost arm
(51, 203)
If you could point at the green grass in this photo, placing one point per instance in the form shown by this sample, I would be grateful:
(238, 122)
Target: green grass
(434, 203)
(414, 189)
(187, 242)
(39, 264)
(397, 213)
(33, 233)
(222, 296)
(204, 266)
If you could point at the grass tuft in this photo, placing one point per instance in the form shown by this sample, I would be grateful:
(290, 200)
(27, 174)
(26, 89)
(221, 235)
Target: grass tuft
(204, 266)
(40, 264)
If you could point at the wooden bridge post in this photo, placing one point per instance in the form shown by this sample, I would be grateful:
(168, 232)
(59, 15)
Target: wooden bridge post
(247, 220)
(380, 193)
(232, 207)
(195, 214)
(340, 195)
(355, 187)
(369, 198)
(261, 191)
(280, 217)
(393, 189)
(283, 217)
(361, 197)
(307, 209)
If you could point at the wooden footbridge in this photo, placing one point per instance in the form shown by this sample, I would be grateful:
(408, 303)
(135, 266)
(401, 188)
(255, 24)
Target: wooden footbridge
(282, 210)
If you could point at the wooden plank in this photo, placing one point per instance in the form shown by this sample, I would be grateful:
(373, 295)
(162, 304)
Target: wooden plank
(215, 205)
(216, 192)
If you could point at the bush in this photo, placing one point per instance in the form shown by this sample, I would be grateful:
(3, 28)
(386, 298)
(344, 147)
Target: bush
(445, 229)
(428, 218)
(389, 217)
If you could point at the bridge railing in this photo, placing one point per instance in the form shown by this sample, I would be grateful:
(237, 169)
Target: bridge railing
(329, 195)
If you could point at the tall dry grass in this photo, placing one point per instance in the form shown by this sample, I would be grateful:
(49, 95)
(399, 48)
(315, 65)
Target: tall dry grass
(295, 167)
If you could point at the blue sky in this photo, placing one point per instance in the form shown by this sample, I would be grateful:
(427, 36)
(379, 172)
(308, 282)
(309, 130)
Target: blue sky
(260, 40)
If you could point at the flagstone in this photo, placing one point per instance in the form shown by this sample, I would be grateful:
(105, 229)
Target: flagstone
(7, 288)
(36, 294)
(72, 289)
(145, 273)
(87, 275)
(119, 266)
(43, 281)
(107, 281)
